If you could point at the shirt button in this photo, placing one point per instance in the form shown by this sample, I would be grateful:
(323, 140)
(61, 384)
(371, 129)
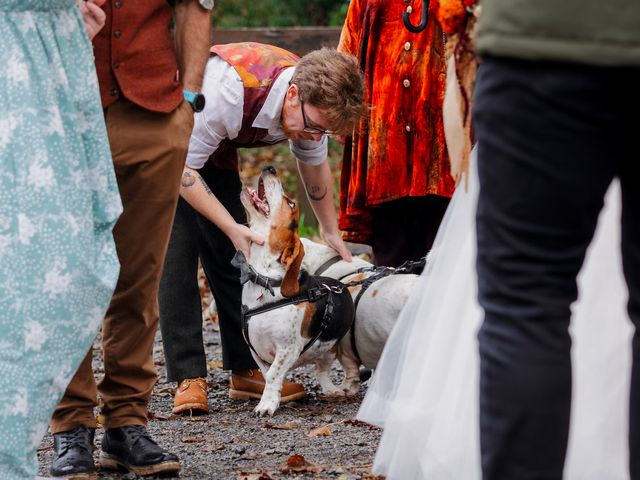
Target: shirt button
(408, 128)
(113, 92)
(116, 64)
(406, 83)
(409, 9)
(407, 46)
(118, 33)
(117, 4)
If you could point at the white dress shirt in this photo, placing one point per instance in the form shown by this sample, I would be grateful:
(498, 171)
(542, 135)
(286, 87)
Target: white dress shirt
(222, 116)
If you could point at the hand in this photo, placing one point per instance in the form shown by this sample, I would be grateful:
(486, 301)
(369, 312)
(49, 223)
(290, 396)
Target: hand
(334, 240)
(242, 238)
(93, 16)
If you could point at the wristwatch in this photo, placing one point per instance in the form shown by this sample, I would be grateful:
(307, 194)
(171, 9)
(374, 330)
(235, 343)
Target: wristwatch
(196, 99)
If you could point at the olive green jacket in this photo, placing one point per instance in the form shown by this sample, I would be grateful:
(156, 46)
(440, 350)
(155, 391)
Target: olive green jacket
(602, 32)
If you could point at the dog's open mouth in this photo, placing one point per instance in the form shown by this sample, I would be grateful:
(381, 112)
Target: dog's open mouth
(259, 199)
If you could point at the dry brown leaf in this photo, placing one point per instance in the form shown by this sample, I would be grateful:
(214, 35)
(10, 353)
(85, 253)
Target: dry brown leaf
(324, 431)
(193, 439)
(284, 426)
(157, 416)
(215, 365)
(253, 476)
(212, 448)
(298, 464)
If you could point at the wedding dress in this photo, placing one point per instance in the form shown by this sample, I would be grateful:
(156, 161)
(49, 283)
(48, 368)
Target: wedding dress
(425, 390)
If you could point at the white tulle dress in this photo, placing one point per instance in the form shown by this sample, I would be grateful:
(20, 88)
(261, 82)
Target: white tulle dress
(425, 390)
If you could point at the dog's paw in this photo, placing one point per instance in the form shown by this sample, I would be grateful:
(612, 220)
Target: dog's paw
(350, 389)
(265, 407)
(333, 392)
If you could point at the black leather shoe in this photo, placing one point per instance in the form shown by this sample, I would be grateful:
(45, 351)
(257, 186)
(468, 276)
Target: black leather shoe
(132, 448)
(73, 454)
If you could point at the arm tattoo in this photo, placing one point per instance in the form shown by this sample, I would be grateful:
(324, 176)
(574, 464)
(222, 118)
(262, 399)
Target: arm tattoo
(314, 192)
(206, 187)
(188, 180)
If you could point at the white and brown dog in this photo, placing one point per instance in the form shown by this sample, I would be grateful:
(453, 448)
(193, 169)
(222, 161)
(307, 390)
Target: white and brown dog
(290, 318)
(282, 328)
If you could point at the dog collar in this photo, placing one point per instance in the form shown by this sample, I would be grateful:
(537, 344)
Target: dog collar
(249, 274)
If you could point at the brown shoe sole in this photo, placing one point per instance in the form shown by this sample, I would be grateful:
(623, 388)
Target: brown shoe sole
(243, 395)
(197, 408)
(110, 462)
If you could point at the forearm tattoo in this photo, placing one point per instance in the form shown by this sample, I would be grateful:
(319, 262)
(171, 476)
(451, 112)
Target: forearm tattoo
(314, 192)
(206, 187)
(187, 180)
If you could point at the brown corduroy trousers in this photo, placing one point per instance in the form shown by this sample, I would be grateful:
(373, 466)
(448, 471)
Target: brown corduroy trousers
(149, 150)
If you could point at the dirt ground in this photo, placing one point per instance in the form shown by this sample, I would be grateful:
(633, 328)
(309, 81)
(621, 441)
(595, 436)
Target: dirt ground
(231, 443)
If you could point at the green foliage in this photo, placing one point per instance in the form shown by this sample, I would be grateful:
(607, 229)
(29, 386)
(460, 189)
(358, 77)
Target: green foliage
(279, 13)
(307, 231)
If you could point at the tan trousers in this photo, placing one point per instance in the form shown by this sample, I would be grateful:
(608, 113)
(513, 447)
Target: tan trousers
(149, 150)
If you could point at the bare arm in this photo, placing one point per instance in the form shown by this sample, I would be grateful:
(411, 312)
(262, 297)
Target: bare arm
(192, 34)
(198, 194)
(319, 185)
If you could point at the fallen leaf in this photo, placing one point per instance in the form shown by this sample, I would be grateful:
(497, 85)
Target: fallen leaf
(193, 439)
(157, 416)
(298, 464)
(320, 432)
(285, 426)
(212, 448)
(215, 365)
(253, 476)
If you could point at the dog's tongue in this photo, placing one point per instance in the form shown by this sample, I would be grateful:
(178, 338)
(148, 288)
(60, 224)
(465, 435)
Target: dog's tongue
(257, 202)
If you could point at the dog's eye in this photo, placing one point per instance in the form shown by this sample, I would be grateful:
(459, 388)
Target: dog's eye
(292, 205)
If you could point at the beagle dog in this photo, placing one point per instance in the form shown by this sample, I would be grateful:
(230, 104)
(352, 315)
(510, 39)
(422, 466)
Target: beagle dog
(289, 317)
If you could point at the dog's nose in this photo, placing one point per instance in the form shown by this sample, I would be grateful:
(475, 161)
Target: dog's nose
(270, 170)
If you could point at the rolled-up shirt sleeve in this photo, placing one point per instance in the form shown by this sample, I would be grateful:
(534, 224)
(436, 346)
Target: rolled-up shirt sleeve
(310, 152)
(222, 114)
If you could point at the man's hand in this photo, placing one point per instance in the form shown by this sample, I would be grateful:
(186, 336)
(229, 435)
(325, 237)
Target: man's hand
(92, 15)
(242, 238)
(334, 240)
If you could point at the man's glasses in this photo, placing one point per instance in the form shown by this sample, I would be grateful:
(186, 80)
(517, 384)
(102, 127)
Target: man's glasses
(310, 129)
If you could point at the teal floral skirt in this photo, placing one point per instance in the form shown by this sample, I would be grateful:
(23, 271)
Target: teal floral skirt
(58, 204)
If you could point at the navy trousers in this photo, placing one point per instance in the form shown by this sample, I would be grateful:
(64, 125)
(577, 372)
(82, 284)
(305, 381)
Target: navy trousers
(551, 137)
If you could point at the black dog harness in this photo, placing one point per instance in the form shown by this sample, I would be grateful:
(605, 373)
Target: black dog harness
(335, 304)
(410, 266)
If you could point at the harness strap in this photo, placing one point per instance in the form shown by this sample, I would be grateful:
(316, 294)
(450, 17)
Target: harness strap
(249, 274)
(312, 295)
(326, 265)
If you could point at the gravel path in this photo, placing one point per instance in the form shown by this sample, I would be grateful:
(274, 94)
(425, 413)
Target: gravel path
(230, 443)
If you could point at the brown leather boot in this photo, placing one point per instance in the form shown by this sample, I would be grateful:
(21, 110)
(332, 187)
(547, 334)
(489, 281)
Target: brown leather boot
(191, 395)
(246, 384)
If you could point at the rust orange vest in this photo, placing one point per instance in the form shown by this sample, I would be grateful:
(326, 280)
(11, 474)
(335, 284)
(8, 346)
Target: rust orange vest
(135, 56)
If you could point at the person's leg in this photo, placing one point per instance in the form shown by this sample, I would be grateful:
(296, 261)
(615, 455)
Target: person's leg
(629, 180)
(405, 229)
(179, 300)
(224, 279)
(545, 160)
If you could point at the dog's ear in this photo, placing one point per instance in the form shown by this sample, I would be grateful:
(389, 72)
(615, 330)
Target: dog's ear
(291, 258)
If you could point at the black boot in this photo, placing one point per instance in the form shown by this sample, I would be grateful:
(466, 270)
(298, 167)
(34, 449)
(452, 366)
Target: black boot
(73, 454)
(132, 448)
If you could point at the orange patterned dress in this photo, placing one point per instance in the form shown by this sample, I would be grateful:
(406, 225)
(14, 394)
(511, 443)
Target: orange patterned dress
(398, 150)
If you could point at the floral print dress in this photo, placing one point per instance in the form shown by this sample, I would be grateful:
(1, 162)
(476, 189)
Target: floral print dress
(58, 204)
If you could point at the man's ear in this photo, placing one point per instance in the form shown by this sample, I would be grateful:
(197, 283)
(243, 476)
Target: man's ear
(291, 258)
